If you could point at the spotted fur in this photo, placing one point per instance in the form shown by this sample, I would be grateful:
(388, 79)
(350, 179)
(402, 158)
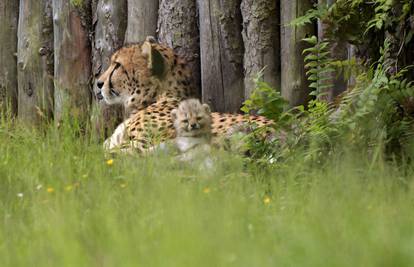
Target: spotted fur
(150, 81)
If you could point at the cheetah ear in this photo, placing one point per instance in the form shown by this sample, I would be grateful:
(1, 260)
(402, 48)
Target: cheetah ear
(156, 62)
(207, 108)
(174, 114)
(151, 39)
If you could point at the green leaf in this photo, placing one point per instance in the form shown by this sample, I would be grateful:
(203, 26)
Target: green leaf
(313, 77)
(311, 64)
(313, 85)
(313, 40)
(311, 57)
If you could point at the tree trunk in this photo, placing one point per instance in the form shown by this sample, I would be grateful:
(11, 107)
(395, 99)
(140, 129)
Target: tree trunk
(72, 59)
(110, 21)
(142, 20)
(35, 61)
(294, 84)
(178, 28)
(261, 36)
(9, 14)
(221, 47)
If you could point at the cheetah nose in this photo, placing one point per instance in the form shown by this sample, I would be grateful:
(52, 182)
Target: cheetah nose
(194, 126)
(100, 84)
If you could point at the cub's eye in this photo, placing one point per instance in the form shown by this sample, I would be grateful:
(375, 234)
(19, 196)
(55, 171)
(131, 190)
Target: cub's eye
(199, 118)
(184, 121)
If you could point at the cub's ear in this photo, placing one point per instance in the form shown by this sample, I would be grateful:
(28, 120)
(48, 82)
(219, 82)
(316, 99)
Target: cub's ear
(156, 62)
(174, 114)
(207, 108)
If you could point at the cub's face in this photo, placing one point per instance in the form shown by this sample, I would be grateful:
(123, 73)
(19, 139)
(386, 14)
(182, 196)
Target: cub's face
(192, 119)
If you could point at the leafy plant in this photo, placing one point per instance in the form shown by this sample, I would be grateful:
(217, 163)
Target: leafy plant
(376, 115)
(77, 3)
(379, 101)
(319, 70)
(265, 101)
(319, 11)
(381, 17)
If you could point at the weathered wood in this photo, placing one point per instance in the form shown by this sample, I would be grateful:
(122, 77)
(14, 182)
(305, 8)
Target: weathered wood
(294, 85)
(351, 51)
(178, 28)
(261, 36)
(109, 22)
(35, 61)
(221, 47)
(142, 20)
(72, 58)
(9, 14)
(339, 52)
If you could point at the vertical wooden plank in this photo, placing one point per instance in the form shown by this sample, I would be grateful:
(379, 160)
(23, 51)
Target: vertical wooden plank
(109, 22)
(35, 61)
(339, 51)
(294, 84)
(142, 20)
(221, 49)
(351, 50)
(72, 59)
(178, 28)
(261, 36)
(9, 15)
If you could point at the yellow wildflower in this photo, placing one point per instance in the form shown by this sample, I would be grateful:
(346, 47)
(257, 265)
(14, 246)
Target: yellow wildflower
(123, 185)
(206, 190)
(110, 162)
(50, 190)
(266, 200)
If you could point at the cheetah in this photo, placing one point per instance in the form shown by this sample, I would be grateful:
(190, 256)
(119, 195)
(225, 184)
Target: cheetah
(150, 81)
(192, 123)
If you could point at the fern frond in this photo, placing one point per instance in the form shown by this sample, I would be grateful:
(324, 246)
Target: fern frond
(319, 70)
(315, 13)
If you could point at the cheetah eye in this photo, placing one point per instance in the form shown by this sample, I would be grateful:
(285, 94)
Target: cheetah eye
(185, 121)
(199, 118)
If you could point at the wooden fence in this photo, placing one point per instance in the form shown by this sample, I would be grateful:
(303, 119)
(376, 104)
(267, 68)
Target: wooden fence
(51, 51)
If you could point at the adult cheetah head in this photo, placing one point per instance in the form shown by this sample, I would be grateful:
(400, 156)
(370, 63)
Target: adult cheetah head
(138, 74)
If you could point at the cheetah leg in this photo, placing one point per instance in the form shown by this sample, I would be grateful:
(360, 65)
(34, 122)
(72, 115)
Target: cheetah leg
(118, 138)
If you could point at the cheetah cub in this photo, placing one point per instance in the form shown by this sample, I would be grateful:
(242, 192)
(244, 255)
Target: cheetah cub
(192, 122)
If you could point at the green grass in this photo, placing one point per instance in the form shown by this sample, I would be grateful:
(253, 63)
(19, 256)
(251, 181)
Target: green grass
(154, 212)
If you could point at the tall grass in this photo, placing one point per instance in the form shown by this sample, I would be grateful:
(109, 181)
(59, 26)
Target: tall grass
(63, 202)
